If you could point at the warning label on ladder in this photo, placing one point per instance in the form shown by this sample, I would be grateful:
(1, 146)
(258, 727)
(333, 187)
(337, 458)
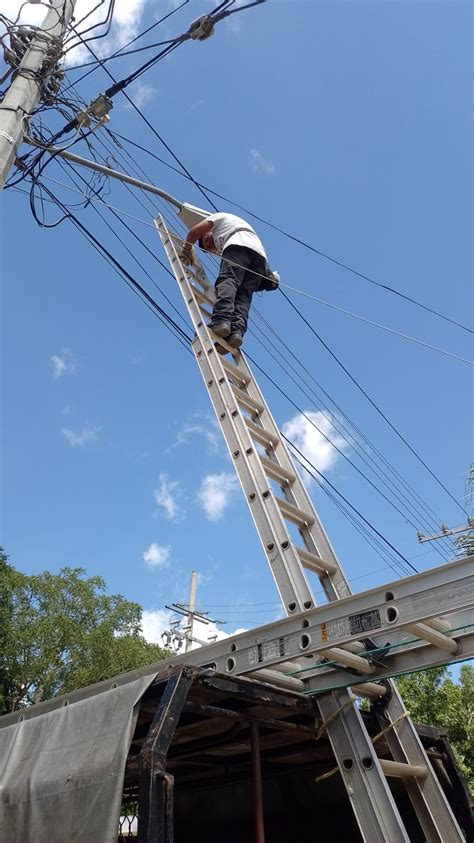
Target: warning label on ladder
(352, 625)
(269, 649)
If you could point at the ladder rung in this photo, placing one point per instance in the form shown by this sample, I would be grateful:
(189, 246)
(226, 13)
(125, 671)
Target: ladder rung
(438, 639)
(247, 401)
(315, 563)
(294, 514)
(336, 654)
(370, 690)
(199, 279)
(276, 472)
(398, 770)
(201, 296)
(264, 437)
(235, 372)
(274, 677)
(205, 312)
(222, 342)
(440, 624)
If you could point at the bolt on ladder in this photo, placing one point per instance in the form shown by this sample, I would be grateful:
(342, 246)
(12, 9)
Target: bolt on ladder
(246, 423)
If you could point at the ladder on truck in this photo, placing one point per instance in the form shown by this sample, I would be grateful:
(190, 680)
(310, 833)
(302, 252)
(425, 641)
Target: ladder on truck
(246, 423)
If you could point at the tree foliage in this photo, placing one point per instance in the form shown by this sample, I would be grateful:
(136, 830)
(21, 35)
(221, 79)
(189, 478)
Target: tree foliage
(434, 699)
(59, 632)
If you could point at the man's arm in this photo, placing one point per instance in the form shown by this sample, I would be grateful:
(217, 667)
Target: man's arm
(197, 231)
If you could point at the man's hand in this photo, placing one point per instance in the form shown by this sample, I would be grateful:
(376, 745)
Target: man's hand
(187, 257)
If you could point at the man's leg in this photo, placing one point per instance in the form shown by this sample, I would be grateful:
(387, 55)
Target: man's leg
(231, 275)
(251, 282)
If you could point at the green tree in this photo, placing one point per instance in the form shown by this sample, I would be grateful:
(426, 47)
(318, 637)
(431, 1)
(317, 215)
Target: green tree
(63, 631)
(434, 699)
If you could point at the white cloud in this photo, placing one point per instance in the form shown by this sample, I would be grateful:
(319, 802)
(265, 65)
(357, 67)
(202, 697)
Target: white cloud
(140, 94)
(30, 13)
(167, 497)
(78, 440)
(215, 494)
(259, 164)
(197, 105)
(312, 442)
(199, 426)
(156, 621)
(63, 363)
(157, 555)
(125, 26)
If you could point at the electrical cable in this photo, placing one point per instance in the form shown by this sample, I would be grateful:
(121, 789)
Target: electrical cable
(331, 442)
(145, 271)
(107, 23)
(305, 462)
(378, 325)
(344, 433)
(145, 119)
(391, 468)
(184, 338)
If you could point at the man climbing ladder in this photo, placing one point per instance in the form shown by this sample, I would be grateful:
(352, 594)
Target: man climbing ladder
(243, 271)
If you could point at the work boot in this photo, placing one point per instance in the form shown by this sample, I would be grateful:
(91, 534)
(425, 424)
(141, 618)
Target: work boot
(221, 329)
(235, 339)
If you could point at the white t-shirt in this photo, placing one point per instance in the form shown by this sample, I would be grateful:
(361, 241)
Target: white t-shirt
(225, 233)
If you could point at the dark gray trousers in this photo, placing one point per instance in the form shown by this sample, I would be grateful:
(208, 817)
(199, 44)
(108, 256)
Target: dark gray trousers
(240, 276)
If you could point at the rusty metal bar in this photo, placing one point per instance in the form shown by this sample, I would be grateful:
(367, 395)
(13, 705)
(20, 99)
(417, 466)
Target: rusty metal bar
(257, 786)
(269, 722)
(156, 786)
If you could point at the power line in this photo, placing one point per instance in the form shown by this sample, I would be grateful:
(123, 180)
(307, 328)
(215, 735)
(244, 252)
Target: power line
(349, 439)
(378, 325)
(150, 126)
(374, 405)
(332, 443)
(393, 471)
(130, 280)
(305, 462)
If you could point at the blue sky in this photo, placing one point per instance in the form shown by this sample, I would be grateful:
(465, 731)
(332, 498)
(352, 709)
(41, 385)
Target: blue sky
(346, 124)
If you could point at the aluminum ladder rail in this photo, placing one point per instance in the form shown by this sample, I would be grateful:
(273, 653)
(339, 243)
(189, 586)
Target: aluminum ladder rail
(245, 421)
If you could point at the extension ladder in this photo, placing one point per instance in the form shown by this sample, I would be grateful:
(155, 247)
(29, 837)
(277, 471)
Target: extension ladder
(247, 425)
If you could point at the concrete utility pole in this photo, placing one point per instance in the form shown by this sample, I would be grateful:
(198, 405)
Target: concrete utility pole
(192, 606)
(28, 80)
(180, 634)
